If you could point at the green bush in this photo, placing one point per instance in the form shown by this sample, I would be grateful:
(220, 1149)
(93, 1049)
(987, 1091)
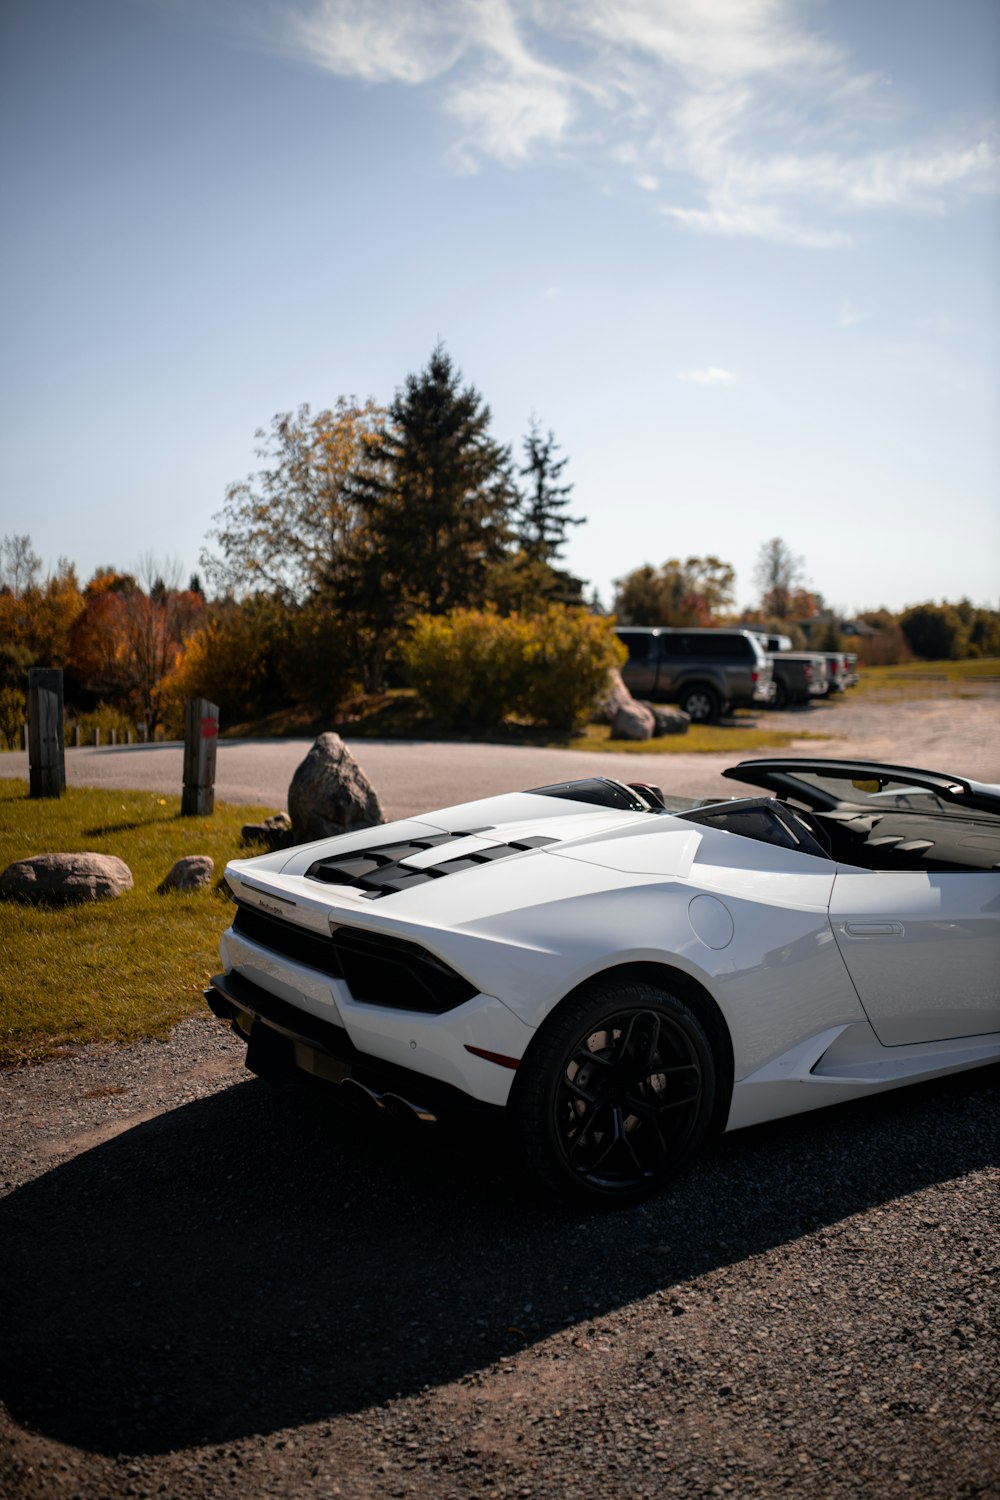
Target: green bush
(260, 655)
(465, 666)
(474, 667)
(13, 712)
(567, 655)
(936, 632)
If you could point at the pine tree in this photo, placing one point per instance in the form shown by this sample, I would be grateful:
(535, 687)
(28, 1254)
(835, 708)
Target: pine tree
(541, 522)
(435, 504)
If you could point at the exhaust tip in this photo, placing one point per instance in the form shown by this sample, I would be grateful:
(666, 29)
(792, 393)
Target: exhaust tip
(405, 1109)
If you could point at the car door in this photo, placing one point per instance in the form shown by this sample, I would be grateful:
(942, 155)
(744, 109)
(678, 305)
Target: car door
(922, 950)
(640, 671)
(922, 945)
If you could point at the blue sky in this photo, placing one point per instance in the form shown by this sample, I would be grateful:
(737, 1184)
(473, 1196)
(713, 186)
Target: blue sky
(740, 255)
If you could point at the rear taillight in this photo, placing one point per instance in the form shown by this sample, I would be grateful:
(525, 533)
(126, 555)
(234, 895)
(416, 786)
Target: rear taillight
(754, 675)
(808, 671)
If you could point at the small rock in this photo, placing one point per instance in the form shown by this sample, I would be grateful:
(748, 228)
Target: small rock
(275, 832)
(633, 721)
(668, 720)
(192, 873)
(66, 877)
(330, 793)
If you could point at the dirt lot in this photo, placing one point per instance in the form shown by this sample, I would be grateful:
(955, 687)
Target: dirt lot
(211, 1288)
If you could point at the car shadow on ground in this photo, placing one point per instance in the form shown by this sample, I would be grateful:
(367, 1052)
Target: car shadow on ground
(259, 1260)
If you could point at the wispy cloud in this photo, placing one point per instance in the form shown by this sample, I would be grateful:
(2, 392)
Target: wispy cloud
(733, 115)
(849, 314)
(712, 375)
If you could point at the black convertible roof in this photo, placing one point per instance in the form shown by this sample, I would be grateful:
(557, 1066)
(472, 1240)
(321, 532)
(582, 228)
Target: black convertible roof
(776, 773)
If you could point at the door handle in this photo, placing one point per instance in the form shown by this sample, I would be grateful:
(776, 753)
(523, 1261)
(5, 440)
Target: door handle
(873, 929)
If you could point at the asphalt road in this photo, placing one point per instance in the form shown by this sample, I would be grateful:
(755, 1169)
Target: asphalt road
(958, 734)
(409, 777)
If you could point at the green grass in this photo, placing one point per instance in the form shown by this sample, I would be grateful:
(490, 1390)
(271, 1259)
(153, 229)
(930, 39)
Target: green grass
(703, 739)
(108, 971)
(926, 679)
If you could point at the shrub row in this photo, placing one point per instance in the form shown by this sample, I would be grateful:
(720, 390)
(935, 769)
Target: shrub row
(474, 667)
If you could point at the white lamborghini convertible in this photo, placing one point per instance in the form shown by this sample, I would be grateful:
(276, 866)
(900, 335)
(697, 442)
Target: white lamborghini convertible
(613, 979)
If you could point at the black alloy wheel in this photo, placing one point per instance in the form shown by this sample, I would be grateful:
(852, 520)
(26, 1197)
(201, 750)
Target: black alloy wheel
(617, 1093)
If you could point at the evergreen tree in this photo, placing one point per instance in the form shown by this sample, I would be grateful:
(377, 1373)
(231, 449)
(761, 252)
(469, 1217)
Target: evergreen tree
(434, 502)
(542, 524)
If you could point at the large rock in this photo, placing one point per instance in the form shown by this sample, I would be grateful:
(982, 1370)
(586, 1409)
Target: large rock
(66, 877)
(330, 793)
(633, 721)
(668, 720)
(191, 873)
(615, 696)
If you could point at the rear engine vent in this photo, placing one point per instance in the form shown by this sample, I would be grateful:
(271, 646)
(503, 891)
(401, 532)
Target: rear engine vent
(380, 871)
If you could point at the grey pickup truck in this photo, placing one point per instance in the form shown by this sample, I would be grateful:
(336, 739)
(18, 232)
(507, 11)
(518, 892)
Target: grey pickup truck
(707, 672)
(798, 677)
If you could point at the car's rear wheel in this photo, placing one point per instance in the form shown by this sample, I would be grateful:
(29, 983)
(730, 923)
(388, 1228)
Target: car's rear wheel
(702, 704)
(615, 1094)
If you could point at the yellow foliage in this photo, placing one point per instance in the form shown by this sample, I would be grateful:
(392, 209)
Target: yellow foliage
(474, 666)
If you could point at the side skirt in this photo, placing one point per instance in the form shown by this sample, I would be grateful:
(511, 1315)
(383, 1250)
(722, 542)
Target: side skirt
(847, 1062)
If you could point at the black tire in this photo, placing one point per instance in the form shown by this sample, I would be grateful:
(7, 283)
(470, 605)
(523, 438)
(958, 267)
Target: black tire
(615, 1094)
(779, 698)
(701, 703)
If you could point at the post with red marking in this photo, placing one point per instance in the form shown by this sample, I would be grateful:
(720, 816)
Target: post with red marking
(201, 736)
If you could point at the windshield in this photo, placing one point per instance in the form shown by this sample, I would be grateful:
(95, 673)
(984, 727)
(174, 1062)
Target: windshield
(877, 793)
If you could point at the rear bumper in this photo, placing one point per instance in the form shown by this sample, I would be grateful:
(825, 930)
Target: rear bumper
(282, 1039)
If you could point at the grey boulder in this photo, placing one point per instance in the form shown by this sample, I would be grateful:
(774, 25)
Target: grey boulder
(330, 793)
(633, 721)
(668, 720)
(615, 696)
(192, 873)
(66, 877)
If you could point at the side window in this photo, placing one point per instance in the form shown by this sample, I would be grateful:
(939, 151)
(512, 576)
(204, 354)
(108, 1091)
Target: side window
(720, 647)
(638, 644)
(673, 646)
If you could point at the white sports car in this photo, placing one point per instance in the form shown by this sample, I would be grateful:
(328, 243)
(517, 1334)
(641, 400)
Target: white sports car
(613, 979)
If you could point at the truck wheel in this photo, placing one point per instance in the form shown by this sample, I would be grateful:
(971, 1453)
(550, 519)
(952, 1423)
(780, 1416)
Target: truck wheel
(701, 704)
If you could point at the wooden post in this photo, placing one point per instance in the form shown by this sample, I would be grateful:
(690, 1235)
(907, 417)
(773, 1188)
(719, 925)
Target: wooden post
(46, 746)
(201, 738)
(76, 736)
(113, 737)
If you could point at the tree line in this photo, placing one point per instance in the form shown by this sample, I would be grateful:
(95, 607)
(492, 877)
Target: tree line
(362, 524)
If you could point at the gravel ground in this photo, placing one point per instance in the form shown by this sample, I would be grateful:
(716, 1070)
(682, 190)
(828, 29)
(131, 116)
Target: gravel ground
(212, 1288)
